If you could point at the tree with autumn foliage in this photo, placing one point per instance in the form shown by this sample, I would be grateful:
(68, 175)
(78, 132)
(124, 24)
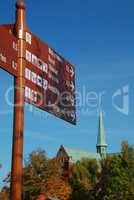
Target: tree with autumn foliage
(4, 194)
(43, 176)
(111, 178)
(57, 188)
(34, 174)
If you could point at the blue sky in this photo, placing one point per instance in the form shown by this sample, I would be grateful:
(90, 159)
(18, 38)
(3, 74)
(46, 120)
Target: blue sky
(98, 38)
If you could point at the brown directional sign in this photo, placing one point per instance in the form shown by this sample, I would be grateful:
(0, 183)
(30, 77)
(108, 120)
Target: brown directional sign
(8, 50)
(50, 80)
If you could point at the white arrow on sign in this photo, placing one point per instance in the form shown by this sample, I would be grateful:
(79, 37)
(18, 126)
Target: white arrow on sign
(70, 99)
(72, 85)
(72, 115)
(70, 70)
(67, 83)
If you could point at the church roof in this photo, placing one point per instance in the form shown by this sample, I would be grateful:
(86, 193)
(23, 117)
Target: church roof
(78, 154)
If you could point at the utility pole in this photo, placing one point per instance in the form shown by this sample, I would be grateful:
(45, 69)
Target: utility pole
(18, 126)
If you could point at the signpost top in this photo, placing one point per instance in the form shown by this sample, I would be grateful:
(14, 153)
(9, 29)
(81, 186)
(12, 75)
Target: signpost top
(20, 4)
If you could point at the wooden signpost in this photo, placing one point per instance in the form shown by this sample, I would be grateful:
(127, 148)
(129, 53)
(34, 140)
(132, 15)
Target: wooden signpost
(41, 77)
(17, 152)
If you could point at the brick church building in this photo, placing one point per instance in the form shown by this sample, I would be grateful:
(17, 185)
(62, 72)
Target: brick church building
(69, 156)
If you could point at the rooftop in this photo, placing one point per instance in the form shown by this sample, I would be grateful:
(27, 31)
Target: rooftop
(78, 154)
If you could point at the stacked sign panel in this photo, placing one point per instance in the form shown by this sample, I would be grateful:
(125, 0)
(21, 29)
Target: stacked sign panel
(50, 80)
(8, 50)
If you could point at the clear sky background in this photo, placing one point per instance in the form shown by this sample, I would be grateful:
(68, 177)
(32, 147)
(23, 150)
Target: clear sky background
(98, 38)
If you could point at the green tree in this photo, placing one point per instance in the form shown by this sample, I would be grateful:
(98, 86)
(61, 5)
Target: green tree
(83, 179)
(117, 176)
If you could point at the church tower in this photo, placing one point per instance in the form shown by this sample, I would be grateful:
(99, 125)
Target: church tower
(101, 140)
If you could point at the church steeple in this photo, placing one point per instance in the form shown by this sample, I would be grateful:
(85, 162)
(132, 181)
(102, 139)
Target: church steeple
(101, 140)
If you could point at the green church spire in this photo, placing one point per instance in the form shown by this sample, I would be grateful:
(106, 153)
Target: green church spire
(101, 140)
